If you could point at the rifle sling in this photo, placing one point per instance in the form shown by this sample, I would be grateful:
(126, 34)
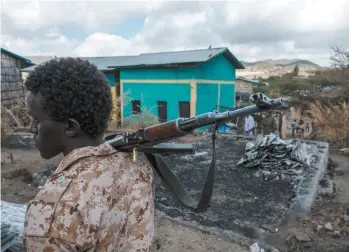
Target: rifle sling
(176, 188)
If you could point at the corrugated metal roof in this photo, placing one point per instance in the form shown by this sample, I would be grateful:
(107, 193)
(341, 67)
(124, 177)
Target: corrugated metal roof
(39, 59)
(249, 80)
(161, 58)
(16, 56)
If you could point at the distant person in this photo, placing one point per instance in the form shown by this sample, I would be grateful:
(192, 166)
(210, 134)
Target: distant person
(300, 129)
(253, 125)
(293, 126)
(249, 125)
(269, 124)
(307, 126)
(98, 199)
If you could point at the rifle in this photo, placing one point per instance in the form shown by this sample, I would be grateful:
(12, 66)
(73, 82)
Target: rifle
(150, 141)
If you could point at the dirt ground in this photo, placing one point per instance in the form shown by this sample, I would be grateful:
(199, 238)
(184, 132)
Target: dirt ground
(312, 235)
(326, 228)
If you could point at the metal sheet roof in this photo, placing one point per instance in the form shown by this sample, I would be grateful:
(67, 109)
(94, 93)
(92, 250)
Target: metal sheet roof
(39, 59)
(16, 56)
(249, 80)
(161, 58)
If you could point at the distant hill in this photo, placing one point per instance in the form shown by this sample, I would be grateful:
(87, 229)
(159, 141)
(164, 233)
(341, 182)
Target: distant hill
(285, 64)
(270, 67)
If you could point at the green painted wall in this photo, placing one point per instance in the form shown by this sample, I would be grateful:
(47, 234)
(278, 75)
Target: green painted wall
(206, 97)
(227, 95)
(218, 68)
(150, 94)
(110, 77)
(159, 74)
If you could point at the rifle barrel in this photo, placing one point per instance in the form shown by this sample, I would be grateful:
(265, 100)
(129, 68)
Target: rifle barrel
(147, 138)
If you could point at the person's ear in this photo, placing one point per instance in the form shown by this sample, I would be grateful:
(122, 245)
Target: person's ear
(73, 128)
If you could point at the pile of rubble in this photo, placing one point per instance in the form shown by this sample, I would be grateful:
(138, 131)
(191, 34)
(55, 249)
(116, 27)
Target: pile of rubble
(12, 228)
(276, 158)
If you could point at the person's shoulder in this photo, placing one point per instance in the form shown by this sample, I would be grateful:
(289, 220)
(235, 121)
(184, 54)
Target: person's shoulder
(141, 167)
(117, 166)
(101, 167)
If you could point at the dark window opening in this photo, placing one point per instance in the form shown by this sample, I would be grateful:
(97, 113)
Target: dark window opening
(184, 109)
(162, 111)
(136, 107)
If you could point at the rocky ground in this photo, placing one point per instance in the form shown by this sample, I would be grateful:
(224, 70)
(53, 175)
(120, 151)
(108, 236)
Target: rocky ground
(326, 228)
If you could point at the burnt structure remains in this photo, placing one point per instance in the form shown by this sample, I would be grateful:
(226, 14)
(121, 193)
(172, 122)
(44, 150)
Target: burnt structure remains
(257, 184)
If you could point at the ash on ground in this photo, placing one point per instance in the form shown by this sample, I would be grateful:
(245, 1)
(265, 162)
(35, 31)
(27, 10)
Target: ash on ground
(252, 189)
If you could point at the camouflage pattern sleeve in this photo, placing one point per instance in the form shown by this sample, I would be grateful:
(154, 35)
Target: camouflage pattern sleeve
(137, 207)
(140, 230)
(103, 202)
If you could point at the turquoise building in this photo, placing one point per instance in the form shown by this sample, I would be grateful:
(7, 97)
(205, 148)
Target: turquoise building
(167, 85)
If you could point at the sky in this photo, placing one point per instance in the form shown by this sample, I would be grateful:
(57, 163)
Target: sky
(252, 29)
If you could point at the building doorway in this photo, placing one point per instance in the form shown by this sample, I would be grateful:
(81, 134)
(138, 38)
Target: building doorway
(162, 111)
(184, 109)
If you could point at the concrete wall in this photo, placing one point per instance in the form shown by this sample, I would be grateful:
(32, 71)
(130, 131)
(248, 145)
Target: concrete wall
(244, 86)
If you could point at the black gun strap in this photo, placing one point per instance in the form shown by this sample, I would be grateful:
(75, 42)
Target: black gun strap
(176, 188)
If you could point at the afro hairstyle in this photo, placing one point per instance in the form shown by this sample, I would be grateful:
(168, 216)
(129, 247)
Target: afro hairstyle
(73, 88)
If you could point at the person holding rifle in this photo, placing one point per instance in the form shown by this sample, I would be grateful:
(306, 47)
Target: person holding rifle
(98, 199)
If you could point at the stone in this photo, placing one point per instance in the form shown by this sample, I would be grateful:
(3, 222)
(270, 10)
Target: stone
(325, 187)
(256, 248)
(319, 227)
(301, 236)
(328, 226)
(331, 165)
(344, 151)
(270, 228)
(39, 178)
(336, 234)
(345, 217)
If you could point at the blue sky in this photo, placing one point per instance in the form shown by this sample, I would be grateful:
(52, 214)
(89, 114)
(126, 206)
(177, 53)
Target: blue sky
(128, 28)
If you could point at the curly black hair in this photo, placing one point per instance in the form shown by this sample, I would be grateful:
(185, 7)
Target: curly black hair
(73, 88)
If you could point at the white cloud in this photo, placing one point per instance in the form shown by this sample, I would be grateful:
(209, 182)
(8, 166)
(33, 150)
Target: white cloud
(103, 44)
(52, 44)
(253, 30)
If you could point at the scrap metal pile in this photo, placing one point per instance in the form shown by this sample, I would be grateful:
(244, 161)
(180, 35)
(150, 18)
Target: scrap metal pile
(12, 226)
(276, 158)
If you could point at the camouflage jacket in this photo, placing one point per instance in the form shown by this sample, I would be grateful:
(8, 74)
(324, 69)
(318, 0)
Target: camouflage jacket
(97, 200)
(269, 125)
